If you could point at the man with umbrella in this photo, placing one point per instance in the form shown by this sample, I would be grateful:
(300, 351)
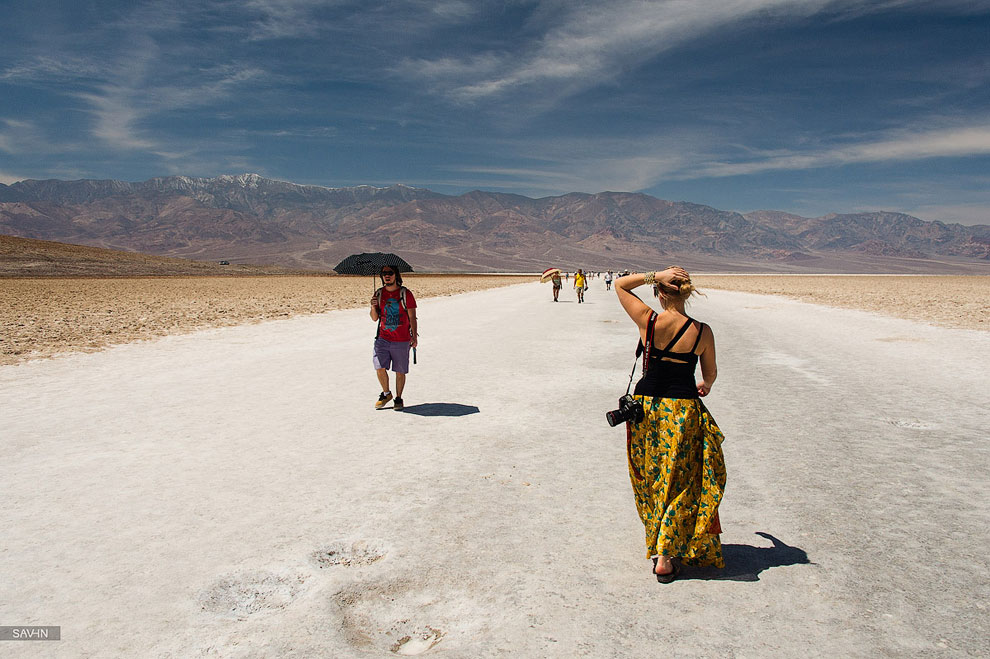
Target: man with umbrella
(393, 307)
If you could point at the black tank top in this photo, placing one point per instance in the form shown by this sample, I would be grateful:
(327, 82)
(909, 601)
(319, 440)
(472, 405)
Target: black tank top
(667, 379)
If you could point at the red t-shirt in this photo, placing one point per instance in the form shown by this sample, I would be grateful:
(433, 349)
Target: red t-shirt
(393, 320)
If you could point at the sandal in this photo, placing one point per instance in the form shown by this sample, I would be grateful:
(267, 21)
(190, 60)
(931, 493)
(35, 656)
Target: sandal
(667, 577)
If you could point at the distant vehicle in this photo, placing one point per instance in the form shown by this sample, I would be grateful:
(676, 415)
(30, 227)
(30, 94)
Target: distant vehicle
(224, 262)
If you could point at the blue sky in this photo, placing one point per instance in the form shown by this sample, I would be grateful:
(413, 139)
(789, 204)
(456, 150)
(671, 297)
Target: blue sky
(807, 106)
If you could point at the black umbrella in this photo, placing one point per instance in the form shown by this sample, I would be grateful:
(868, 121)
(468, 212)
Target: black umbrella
(370, 264)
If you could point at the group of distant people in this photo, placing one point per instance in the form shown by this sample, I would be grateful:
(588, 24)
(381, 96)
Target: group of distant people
(673, 445)
(581, 279)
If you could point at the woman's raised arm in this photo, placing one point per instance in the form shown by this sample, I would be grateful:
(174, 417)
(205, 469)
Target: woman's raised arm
(638, 310)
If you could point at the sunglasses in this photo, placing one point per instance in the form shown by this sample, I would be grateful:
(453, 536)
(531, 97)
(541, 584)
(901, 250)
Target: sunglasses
(387, 273)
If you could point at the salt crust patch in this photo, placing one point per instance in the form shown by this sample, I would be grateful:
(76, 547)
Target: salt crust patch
(361, 552)
(912, 424)
(242, 594)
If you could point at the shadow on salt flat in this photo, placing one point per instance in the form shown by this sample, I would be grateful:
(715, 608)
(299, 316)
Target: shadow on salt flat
(746, 562)
(441, 409)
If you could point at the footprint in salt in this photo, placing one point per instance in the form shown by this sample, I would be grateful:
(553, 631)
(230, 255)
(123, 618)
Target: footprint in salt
(418, 642)
(408, 617)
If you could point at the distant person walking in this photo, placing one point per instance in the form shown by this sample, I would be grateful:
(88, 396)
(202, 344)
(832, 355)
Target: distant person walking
(555, 280)
(675, 452)
(393, 307)
(608, 280)
(580, 284)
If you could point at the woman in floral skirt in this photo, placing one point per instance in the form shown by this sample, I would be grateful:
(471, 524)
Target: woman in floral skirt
(675, 455)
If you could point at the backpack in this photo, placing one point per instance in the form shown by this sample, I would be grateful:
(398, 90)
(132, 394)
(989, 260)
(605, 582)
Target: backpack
(402, 303)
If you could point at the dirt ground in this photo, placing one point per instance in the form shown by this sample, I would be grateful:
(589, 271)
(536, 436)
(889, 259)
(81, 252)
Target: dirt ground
(950, 301)
(43, 317)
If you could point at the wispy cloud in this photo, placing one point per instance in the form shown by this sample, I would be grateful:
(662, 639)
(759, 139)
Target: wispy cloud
(7, 178)
(137, 66)
(284, 19)
(589, 165)
(596, 164)
(48, 68)
(904, 145)
(22, 137)
(592, 43)
(120, 110)
(117, 117)
(588, 44)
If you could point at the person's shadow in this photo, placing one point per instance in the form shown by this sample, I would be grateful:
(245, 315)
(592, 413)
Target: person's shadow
(441, 409)
(745, 562)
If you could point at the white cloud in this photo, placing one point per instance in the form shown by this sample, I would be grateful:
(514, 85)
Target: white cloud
(588, 165)
(48, 67)
(582, 45)
(120, 109)
(920, 144)
(117, 116)
(593, 165)
(20, 137)
(450, 67)
(7, 178)
(453, 9)
(284, 19)
(594, 42)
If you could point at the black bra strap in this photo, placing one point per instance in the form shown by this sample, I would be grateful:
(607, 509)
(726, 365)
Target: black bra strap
(677, 336)
(698, 340)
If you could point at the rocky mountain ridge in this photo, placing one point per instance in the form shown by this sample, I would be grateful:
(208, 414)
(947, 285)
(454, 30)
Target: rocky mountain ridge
(250, 218)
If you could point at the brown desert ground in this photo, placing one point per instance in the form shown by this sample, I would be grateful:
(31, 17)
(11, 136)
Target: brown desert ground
(26, 257)
(42, 317)
(46, 316)
(962, 302)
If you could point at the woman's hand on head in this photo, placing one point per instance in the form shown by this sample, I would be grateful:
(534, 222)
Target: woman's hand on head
(672, 273)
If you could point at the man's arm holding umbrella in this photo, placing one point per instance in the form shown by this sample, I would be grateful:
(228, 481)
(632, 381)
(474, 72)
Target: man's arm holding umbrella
(374, 307)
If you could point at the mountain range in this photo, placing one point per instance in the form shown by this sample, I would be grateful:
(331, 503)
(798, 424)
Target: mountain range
(252, 219)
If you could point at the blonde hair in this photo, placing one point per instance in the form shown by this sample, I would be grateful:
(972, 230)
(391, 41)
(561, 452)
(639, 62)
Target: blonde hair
(685, 289)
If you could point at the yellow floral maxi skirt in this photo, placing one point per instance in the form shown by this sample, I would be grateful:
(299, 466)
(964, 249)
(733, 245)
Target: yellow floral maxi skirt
(678, 475)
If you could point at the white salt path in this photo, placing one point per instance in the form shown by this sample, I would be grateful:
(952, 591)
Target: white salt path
(233, 492)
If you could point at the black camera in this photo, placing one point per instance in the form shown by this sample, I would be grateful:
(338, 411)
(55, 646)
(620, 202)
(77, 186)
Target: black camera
(630, 409)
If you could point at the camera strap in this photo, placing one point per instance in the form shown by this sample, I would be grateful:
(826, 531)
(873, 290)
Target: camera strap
(644, 350)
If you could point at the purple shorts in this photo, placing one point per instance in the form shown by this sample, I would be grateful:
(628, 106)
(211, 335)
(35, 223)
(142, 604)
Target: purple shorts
(394, 354)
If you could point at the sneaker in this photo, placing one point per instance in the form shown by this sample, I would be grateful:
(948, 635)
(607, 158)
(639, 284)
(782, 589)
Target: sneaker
(398, 405)
(382, 399)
